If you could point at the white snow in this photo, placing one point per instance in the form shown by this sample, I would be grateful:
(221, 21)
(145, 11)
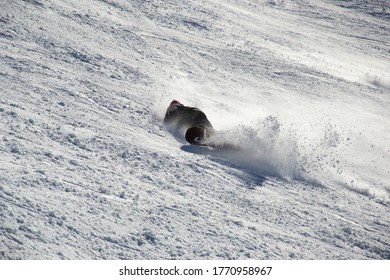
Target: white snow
(88, 171)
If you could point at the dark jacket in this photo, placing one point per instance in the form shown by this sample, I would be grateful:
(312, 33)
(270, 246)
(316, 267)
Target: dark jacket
(179, 117)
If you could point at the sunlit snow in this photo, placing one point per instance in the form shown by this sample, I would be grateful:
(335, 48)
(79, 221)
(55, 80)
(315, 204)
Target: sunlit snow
(88, 170)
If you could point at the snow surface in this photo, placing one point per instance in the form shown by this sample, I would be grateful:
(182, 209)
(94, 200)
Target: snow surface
(88, 171)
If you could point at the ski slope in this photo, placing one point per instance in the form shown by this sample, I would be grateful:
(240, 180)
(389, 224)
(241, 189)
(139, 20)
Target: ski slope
(88, 171)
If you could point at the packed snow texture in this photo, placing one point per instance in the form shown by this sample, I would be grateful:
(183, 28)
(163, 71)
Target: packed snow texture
(88, 171)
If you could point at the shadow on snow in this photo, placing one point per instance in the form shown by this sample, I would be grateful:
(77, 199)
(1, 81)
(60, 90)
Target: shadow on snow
(250, 177)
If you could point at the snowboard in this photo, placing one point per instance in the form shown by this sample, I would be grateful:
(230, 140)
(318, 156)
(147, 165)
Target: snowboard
(198, 135)
(206, 137)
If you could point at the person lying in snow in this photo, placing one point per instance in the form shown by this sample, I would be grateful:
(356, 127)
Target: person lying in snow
(190, 121)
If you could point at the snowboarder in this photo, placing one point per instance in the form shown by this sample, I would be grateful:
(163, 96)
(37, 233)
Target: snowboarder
(189, 121)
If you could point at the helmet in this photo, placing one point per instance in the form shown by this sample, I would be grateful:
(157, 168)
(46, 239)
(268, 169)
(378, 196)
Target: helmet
(175, 102)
